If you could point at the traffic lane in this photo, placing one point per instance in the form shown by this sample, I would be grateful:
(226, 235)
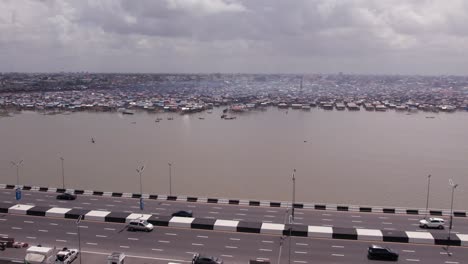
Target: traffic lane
(169, 243)
(236, 212)
(241, 246)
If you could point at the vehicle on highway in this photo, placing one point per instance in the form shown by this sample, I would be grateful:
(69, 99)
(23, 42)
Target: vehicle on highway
(116, 258)
(381, 253)
(39, 254)
(183, 213)
(433, 222)
(66, 256)
(66, 196)
(139, 225)
(203, 259)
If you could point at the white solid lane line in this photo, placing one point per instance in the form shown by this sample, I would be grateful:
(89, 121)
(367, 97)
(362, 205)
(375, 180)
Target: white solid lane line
(100, 236)
(110, 229)
(70, 233)
(202, 236)
(170, 234)
(163, 241)
(230, 247)
(337, 246)
(408, 250)
(413, 260)
(267, 241)
(337, 255)
(197, 244)
(300, 252)
(227, 256)
(92, 244)
(265, 249)
(302, 244)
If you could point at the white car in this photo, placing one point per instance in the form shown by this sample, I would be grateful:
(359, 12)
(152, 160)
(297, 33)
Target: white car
(66, 256)
(140, 225)
(433, 222)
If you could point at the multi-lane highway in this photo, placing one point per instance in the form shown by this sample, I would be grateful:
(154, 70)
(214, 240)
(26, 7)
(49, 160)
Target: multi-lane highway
(382, 221)
(166, 244)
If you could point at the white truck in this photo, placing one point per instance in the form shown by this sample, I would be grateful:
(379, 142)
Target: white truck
(39, 254)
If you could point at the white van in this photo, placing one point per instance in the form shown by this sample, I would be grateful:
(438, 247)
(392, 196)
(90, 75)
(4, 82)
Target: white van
(39, 254)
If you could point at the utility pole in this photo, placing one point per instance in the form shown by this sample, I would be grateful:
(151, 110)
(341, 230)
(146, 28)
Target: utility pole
(170, 178)
(140, 172)
(63, 173)
(17, 164)
(427, 200)
(453, 185)
(293, 194)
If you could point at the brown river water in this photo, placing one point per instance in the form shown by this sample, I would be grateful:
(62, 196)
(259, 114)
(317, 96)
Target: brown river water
(362, 158)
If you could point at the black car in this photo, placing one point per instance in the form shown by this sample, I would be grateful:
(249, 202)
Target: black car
(201, 259)
(183, 213)
(66, 196)
(383, 253)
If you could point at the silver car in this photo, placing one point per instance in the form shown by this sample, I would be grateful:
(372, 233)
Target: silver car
(139, 225)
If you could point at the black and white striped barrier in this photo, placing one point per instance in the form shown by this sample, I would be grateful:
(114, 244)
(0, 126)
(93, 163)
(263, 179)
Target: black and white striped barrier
(243, 226)
(333, 207)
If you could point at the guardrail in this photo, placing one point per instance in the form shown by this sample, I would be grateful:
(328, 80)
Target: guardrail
(314, 206)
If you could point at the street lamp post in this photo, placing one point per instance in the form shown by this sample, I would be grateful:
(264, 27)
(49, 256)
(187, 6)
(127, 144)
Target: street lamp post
(427, 199)
(63, 173)
(170, 178)
(293, 194)
(17, 164)
(453, 185)
(79, 234)
(140, 172)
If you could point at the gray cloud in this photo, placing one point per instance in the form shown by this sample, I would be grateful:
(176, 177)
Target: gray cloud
(361, 36)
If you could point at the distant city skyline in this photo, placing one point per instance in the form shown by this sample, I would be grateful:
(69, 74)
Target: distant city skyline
(235, 36)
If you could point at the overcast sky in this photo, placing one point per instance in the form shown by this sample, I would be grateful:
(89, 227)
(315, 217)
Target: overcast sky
(251, 36)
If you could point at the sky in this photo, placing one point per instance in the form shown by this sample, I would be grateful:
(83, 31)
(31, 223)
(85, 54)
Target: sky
(428, 37)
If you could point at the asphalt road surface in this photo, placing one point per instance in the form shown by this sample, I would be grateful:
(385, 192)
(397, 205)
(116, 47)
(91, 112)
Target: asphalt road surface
(165, 244)
(237, 212)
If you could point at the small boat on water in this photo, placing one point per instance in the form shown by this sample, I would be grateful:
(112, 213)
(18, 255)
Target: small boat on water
(223, 116)
(127, 112)
(225, 110)
(430, 116)
(230, 118)
(170, 118)
(201, 118)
